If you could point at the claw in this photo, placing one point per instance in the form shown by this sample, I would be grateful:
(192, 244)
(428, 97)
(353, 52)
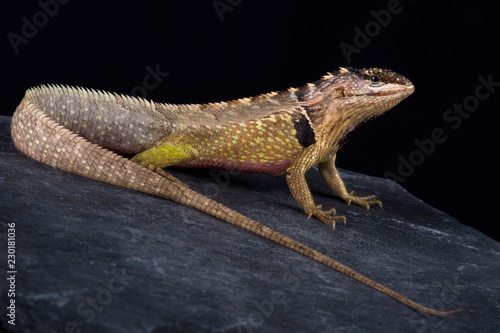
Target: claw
(332, 211)
(365, 202)
(328, 216)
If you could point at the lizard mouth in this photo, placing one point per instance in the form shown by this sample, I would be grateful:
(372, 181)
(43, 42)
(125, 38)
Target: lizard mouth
(400, 91)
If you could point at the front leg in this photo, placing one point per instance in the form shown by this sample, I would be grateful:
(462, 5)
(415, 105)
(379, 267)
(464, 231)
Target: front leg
(335, 183)
(300, 190)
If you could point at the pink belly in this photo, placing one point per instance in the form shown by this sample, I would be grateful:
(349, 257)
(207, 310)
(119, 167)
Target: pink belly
(275, 169)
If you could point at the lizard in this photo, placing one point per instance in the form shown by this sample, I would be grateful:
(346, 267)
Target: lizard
(93, 134)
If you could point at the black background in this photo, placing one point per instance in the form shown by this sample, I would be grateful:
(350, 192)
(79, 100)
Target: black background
(259, 46)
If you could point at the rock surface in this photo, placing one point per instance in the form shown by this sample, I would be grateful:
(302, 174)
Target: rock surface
(91, 257)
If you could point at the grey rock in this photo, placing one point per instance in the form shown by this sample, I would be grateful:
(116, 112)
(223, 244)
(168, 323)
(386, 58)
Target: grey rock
(91, 257)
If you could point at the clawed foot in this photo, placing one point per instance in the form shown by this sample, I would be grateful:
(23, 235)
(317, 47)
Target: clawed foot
(328, 216)
(365, 202)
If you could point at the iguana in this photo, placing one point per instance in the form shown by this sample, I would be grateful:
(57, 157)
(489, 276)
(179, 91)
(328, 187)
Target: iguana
(90, 133)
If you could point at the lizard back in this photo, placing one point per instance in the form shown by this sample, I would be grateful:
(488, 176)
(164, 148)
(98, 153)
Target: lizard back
(255, 134)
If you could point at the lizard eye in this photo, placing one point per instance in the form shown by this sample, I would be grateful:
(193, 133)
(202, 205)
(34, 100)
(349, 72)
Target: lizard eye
(375, 80)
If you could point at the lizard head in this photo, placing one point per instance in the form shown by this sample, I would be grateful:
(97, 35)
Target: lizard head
(372, 90)
(349, 97)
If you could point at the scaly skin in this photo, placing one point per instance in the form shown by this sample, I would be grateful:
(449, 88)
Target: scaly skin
(84, 131)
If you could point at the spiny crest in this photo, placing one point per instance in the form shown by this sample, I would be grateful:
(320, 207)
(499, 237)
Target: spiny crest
(327, 76)
(343, 70)
(80, 92)
(243, 100)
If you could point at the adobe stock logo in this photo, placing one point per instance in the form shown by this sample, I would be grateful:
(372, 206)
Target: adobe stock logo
(150, 81)
(454, 118)
(221, 7)
(88, 309)
(373, 28)
(30, 27)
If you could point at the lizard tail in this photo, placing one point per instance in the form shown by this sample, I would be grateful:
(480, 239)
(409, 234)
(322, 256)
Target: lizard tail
(213, 208)
(42, 138)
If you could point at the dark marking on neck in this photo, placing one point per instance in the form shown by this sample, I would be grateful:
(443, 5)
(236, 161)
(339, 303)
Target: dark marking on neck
(300, 93)
(305, 133)
(313, 111)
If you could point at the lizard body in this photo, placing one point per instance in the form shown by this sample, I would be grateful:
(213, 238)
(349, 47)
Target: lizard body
(87, 132)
